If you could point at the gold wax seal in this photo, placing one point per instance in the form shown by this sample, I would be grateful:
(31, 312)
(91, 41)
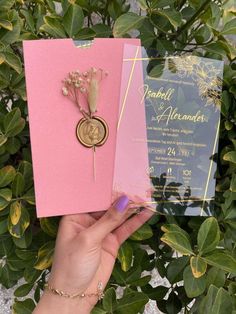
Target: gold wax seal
(92, 132)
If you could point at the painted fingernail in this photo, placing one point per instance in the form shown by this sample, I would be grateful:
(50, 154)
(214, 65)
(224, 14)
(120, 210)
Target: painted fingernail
(121, 203)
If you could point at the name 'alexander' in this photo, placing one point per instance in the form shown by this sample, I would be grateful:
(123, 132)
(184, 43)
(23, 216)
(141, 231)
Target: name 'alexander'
(171, 113)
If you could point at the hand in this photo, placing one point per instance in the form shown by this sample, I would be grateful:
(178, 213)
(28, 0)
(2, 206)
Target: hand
(85, 253)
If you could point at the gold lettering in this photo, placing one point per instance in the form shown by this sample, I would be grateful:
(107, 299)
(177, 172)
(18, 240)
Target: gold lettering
(161, 93)
(171, 113)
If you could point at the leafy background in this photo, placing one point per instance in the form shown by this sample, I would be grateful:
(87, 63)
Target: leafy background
(197, 256)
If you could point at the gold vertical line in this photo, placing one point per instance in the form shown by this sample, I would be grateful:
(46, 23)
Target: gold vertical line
(127, 89)
(211, 163)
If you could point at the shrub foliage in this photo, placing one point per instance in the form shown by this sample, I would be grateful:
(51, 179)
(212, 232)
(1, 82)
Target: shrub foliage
(195, 255)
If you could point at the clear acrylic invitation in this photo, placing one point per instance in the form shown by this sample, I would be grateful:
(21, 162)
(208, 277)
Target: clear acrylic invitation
(168, 130)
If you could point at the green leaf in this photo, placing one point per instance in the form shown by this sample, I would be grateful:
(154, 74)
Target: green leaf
(198, 266)
(217, 301)
(208, 235)
(29, 19)
(45, 255)
(125, 256)
(13, 122)
(23, 307)
(233, 183)
(158, 293)
(3, 139)
(29, 196)
(13, 61)
(143, 233)
(18, 220)
(3, 226)
(126, 23)
(102, 30)
(25, 240)
(178, 241)
(230, 156)
(53, 27)
(18, 185)
(193, 286)
(73, 19)
(23, 290)
(229, 28)
(6, 194)
(132, 302)
(109, 300)
(85, 33)
(7, 175)
(173, 227)
(5, 5)
(49, 226)
(6, 24)
(175, 269)
(13, 145)
(216, 277)
(174, 17)
(221, 260)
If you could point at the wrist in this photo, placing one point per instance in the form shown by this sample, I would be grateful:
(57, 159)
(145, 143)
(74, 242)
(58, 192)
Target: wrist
(50, 303)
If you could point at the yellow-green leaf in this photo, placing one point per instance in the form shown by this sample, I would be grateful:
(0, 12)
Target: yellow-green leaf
(125, 256)
(15, 213)
(6, 24)
(45, 255)
(198, 266)
(18, 220)
(7, 175)
(6, 194)
(178, 241)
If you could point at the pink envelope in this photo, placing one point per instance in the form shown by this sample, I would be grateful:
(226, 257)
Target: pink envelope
(63, 168)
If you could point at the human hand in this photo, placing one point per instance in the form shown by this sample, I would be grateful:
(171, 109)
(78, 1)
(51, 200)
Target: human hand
(85, 254)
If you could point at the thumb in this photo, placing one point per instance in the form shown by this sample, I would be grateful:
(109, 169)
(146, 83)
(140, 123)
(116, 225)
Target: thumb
(112, 219)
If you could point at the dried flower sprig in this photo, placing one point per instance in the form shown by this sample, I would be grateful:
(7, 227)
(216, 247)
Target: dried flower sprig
(84, 83)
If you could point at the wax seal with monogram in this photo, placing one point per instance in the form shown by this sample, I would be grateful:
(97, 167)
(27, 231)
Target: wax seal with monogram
(91, 130)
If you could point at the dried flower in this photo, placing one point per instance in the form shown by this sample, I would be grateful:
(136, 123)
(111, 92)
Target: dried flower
(65, 91)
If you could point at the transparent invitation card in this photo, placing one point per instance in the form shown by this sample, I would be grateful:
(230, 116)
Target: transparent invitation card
(167, 133)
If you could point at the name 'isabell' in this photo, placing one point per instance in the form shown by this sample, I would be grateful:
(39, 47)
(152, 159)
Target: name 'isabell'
(171, 113)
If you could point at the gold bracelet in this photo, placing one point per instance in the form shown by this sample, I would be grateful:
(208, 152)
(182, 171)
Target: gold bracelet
(64, 294)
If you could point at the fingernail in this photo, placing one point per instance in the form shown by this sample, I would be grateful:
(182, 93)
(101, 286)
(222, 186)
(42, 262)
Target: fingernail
(121, 203)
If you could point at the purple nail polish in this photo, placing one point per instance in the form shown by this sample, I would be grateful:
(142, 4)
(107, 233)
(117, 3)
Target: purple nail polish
(121, 203)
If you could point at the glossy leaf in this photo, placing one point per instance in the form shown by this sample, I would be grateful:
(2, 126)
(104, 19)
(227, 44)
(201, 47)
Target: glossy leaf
(208, 235)
(198, 266)
(126, 23)
(18, 220)
(73, 19)
(13, 122)
(221, 260)
(143, 233)
(193, 286)
(178, 241)
(23, 307)
(45, 255)
(7, 175)
(125, 256)
(229, 28)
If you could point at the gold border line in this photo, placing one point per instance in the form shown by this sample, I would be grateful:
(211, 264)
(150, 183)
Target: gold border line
(211, 163)
(178, 201)
(151, 58)
(127, 89)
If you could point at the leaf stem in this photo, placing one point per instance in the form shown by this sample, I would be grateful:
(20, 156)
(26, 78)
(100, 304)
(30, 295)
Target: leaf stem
(199, 12)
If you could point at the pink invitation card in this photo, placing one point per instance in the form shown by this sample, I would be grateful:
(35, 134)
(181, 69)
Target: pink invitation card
(63, 168)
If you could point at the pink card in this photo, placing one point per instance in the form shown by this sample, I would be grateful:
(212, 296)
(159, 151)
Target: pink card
(63, 168)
